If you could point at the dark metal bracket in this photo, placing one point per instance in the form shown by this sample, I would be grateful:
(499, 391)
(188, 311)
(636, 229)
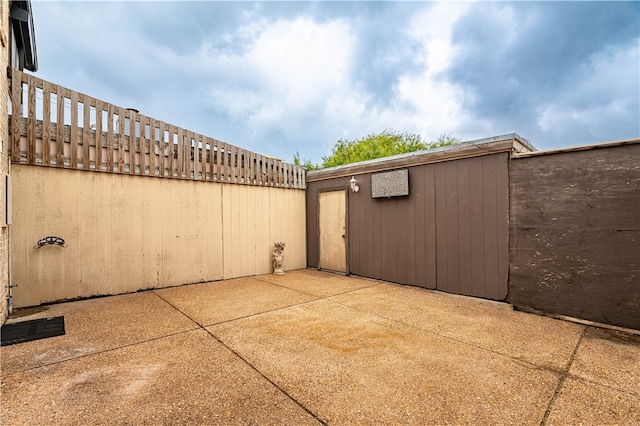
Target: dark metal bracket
(50, 240)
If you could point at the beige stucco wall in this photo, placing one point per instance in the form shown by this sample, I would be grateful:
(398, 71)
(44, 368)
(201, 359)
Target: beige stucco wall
(4, 160)
(127, 233)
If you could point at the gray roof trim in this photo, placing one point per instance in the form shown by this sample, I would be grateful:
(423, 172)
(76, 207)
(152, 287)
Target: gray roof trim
(511, 142)
(577, 148)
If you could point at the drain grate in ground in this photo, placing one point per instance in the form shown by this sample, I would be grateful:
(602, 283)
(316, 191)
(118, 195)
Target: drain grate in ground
(31, 330)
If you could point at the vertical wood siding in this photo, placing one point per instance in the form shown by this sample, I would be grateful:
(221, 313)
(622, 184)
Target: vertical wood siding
(450, 233)
(575, 234)
(128, 233)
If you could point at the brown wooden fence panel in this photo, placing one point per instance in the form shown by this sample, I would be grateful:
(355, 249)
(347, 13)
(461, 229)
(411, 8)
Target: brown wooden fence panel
(244, 166)
(86, 125)
(16, 112)
(122, 150)
(150, 161)
(270, 171)
(248, 175)
(74, 130)
(156, 148)
(204, 168)
(230, 157)
(199, 157)
(180, 148)
(276, 170)
(110, 140)
(172, 151)
(239, 166)
(162, 146)
(258, 169)
(31, 124)
(60, 127)
(46, 123)
(220, 161)
(233, 163)
(201, 144)
(575, 233)
(98, 135)
(214, 159)
(224, 156)
(135, 156)
(193, 155)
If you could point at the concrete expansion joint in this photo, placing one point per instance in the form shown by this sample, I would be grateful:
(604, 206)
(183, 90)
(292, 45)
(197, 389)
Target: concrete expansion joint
(603, 385)
(261, 313)
(244, 360)
(92, 354)
(267, 378)
(563, 376)
(178, 309)
(315, 295)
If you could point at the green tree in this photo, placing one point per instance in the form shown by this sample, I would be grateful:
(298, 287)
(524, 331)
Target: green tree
(384, 144)
(304, 162)
(444, 139)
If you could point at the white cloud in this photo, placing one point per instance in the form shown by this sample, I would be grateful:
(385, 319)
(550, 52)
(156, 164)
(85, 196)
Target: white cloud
(432, 105)
(291, 66)
(303, 59)
(432, 29)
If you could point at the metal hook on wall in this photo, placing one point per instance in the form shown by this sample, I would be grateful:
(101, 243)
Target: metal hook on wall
(50, 240)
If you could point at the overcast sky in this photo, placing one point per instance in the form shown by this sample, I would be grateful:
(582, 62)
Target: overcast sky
(281, 77)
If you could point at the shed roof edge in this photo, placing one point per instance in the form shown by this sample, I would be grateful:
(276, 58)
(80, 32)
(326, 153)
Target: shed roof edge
(502, 143)
(577, 148)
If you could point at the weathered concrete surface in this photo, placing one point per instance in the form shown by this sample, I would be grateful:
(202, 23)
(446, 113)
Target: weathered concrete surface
(97, 325)
(372, 370)
(185, 378)
(220, 301)
(490, 325)
(311, 347)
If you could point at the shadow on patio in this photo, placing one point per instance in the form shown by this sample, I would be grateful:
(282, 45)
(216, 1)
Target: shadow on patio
(316, 348)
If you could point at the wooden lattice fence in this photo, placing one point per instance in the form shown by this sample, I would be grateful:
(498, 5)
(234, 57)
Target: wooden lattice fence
(53, 126)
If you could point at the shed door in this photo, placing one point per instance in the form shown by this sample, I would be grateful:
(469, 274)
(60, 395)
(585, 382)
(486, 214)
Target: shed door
(332, 224)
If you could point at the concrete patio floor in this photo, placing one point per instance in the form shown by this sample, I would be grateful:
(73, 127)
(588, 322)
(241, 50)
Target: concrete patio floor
(316, 348)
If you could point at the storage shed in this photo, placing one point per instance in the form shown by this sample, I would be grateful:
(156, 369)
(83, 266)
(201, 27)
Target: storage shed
(437, 219)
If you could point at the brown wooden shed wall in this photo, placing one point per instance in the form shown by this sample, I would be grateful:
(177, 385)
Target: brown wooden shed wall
(450, 233)
(575, 234)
